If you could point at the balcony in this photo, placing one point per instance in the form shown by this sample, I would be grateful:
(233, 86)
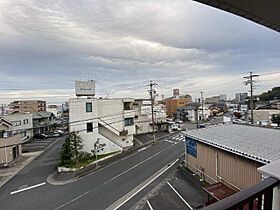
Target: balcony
(263, 195)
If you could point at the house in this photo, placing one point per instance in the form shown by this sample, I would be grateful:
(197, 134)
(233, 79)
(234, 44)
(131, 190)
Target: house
(109, 121)
(231, 153)
(192, 112)
(28, 106)
(53, 109)
(21, 123)
(10, 143)
(43, 122)
(143, 117)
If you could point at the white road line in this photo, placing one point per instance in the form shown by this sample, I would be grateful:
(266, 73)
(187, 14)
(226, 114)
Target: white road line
(28, 188)
(150, 206)
(139, 188)
(179, 195)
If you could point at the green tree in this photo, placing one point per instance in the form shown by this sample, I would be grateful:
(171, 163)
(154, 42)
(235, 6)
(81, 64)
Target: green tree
(75, 145)
(275, 119)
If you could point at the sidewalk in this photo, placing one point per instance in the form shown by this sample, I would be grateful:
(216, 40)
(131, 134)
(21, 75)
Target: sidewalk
(7, 173)
(65, 178)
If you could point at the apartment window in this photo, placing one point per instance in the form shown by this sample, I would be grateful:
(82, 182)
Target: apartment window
(25, 121)
(23, 134)
(128, 121)
(89, 107)
(16, 123)
(89, 127)
(181, 102)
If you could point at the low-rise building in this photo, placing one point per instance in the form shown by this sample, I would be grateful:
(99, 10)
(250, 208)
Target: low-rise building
(143, 117)
(28, 106)
(265, 115)
(22, 124)
(53, 109)
(231, 153)
(43, 122)
(10, 143)
(214, 99)
(111, 121)
(192, 112)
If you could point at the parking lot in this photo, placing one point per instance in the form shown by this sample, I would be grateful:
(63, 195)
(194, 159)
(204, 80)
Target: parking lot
(180, 190)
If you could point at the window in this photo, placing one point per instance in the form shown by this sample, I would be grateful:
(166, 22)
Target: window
(128, 121)
(25, 121)
(89, 127)
(181, 102)
(127, 105)
(89, 107)
(23, 134)
(16, 123)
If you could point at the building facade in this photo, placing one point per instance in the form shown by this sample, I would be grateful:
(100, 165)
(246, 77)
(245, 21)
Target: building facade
(54, 109)
(241, 97)
(28, 106)
(215, 99)
(43, 122)
(21, 124)
(109, 121)
(173, 103)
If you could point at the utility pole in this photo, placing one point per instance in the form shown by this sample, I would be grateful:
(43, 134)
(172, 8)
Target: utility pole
(251, 82)
(201, 95)
(152, 97)
(196, 115)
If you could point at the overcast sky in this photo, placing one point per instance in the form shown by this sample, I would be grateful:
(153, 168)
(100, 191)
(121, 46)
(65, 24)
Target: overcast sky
(46, 45)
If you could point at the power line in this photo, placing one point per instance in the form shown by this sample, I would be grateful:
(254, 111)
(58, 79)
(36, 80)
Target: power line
(251, 82)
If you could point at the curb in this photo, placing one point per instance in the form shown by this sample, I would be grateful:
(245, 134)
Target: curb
(28, 161)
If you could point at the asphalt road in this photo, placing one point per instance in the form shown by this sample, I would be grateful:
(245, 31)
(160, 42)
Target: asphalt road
(109, 187)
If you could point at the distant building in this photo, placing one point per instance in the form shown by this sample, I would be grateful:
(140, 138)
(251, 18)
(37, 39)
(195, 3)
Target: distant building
(223, 98)
(176, 92)
(192, 112)
(54, 109)
(214, 99)
(143, 116)
(241, 97)
(172, 104)
(28, 106)
(230, 154)
(265, 115)
(111, 121)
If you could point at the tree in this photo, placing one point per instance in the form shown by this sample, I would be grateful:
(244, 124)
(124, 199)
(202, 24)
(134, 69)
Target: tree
(75, 145)
(275, 119)
(71, 149)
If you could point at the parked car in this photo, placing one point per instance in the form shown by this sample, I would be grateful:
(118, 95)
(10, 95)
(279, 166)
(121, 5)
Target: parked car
(40, 136)
(59, 131)
(56, 134)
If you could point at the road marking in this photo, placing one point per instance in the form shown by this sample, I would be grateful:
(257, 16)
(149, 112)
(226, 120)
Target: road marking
(144, 148)
(28, 188)
(115, 177)
(169, 141)
(117, 204)
(150, 206)
(179, 195)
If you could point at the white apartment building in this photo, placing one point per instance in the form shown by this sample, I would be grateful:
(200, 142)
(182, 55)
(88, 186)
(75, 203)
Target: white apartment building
(143, 119)
(111, 121)
(22, 124)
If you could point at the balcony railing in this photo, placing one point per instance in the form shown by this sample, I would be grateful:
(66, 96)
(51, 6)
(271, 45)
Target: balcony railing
(258, 196)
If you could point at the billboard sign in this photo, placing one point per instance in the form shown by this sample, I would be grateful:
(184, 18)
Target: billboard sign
(191, 146)
(85, 88)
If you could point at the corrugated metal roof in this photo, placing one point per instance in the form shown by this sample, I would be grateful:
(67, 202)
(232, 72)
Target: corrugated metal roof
(256, 143)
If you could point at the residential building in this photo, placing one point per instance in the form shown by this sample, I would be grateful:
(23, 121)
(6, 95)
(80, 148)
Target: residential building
(10, 144)
(143, 117)
(28, 106)
(5, 109)
(43, 122)
(231, 153)
(192, 112)
(223, 98)
(264, 116)
(54, 109)
(22, 124)
(214, 99)
(111, 121)
(241, 97)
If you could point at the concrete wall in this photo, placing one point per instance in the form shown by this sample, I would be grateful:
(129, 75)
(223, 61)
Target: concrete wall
(238, 171)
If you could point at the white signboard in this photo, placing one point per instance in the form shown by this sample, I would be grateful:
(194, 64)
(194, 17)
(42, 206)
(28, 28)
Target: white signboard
(85, 88)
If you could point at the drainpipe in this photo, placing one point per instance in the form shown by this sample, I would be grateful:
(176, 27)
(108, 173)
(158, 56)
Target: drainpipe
(6, 155)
